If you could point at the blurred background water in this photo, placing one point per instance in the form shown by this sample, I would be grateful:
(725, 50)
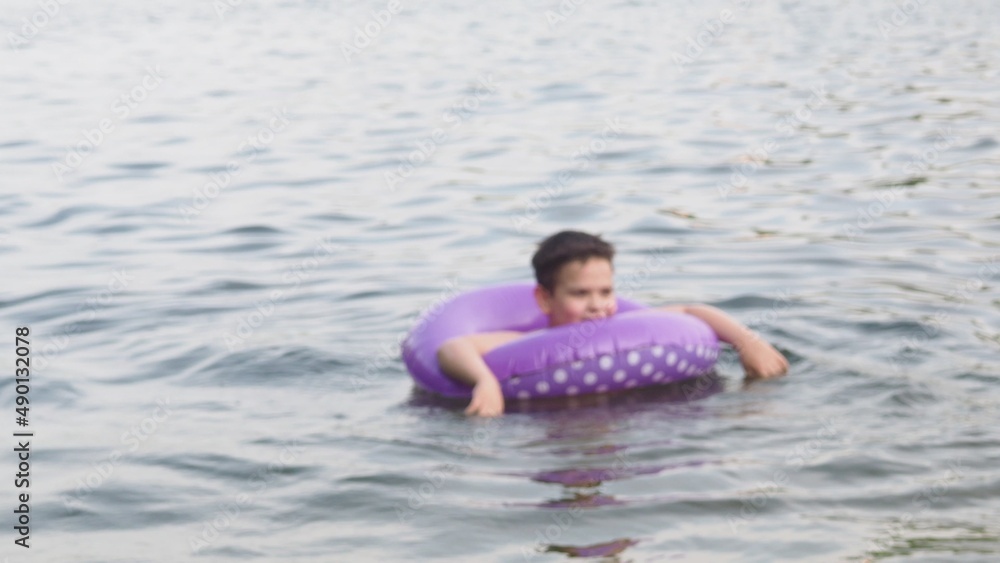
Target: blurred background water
(219, 218)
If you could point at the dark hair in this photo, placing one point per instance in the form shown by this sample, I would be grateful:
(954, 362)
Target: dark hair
(564, 247)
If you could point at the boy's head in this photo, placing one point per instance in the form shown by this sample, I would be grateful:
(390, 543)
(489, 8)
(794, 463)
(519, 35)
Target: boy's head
(575, 278)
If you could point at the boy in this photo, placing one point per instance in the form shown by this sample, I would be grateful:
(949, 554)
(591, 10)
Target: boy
(575, 284)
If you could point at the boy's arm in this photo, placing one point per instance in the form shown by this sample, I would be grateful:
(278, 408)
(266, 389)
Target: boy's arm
(759, 358)
(461, 358)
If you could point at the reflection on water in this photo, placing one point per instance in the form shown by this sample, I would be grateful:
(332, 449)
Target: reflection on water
(592, 477)
(582, 500)
(606, 549)
(602, 462)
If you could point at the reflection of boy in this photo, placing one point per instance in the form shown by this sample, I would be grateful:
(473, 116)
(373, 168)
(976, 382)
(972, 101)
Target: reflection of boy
(575, 283)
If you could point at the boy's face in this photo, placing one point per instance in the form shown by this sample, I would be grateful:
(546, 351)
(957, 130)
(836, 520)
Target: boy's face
(583, 291)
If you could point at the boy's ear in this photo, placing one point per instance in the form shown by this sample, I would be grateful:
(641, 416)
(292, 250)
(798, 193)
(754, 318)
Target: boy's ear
(542, 297)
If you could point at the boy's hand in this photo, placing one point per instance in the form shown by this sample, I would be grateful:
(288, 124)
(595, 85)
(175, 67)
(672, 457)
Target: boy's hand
(761, 360)
(487, 399)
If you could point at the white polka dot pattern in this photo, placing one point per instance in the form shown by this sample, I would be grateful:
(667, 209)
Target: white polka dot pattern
(606, 372)
(633, 358)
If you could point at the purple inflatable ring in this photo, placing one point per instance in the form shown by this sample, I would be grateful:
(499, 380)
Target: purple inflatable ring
(636, 347)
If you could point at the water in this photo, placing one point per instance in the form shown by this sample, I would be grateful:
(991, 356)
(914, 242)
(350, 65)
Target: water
(214, 321)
